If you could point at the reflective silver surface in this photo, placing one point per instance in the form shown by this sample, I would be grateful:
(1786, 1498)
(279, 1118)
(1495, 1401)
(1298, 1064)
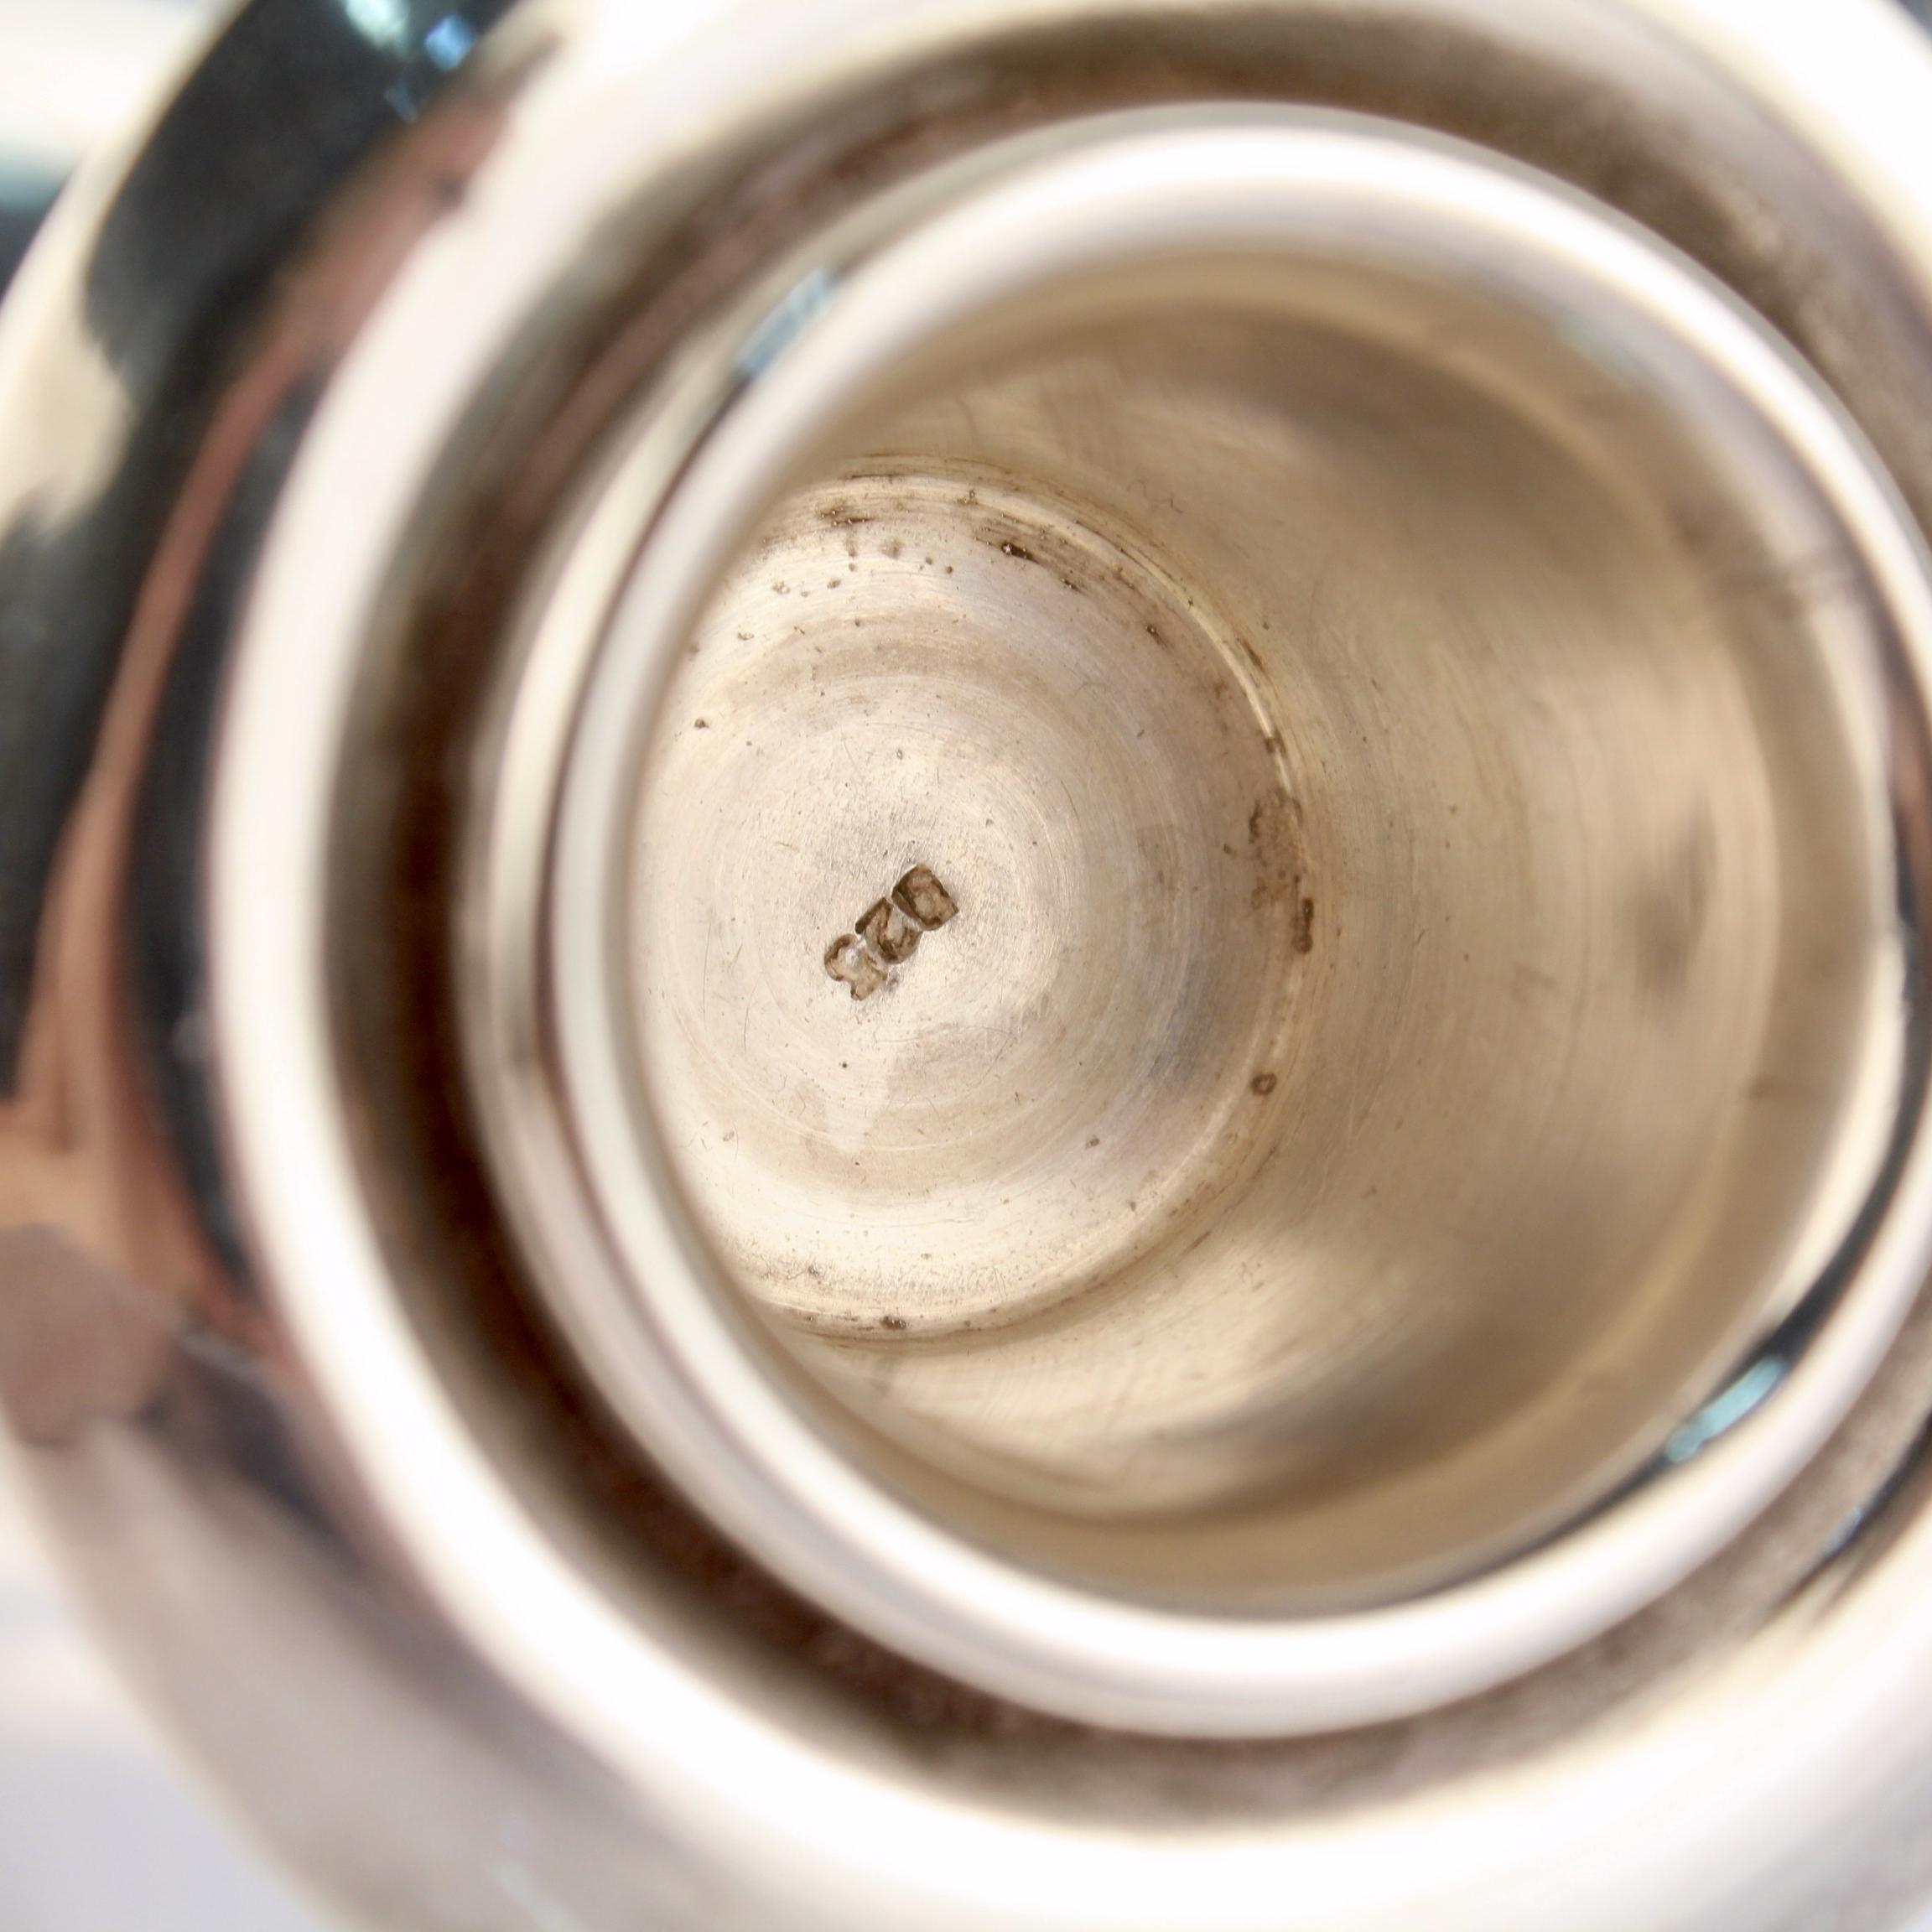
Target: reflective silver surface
(1232, 1363)
(371, 1050)
(100, 1826)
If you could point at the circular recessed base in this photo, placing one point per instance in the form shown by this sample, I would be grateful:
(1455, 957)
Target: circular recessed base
(939, 1055)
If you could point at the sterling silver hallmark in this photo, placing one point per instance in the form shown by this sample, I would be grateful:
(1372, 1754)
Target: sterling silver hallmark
(889, 932)
(960, 963)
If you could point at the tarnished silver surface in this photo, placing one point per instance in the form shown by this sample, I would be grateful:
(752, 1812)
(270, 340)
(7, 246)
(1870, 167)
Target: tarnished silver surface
(1322, 607)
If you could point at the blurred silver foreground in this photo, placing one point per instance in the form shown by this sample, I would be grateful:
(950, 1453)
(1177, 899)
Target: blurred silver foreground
(100, 1829)
(960, 965)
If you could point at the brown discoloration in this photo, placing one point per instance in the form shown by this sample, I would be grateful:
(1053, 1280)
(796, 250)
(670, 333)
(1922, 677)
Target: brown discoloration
(885, 928)
(1262, 1084)
(842, 515)
(851, 965)
(1008, 547)
(1305, 927)
(922, 897)
(1275, 850)
(895, 1322)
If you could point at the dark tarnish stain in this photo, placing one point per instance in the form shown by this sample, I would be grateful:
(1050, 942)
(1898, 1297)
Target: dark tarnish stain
(1262, 1084)
(1305, 927)
(841, 515)
(1668, 909)
(895, 1322)
(1008, 549)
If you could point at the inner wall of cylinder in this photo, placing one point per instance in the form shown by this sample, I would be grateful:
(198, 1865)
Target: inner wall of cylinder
(1250, 918)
